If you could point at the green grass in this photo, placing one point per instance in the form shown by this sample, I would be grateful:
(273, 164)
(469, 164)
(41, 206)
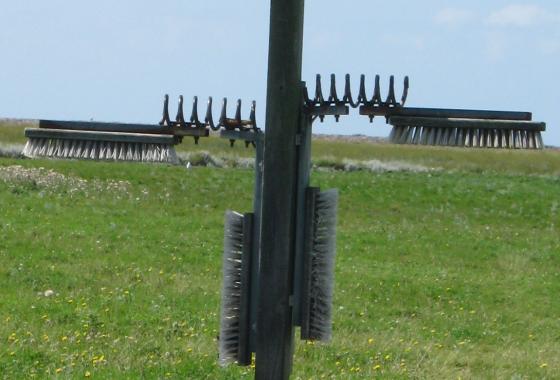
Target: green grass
(440, 275)
(12, 133)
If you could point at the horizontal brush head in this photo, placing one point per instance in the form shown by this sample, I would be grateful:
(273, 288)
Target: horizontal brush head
(475, 133)
(51, 143)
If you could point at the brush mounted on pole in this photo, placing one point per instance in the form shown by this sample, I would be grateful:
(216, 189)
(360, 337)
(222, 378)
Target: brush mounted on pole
(313, 257)
(430, 126)
(130, 142)
(242, 237)
(275, 330)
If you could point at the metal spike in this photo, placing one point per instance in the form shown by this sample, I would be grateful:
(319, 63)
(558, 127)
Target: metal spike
(362, 98)
(377, 91)
(391, 100)
(333, 96)
(194, 112)
(208, 120)
(180, 117)
(238, 113)
(252, 115)
(405, 91)
(348, 92)
(165, 119)
(318, 91)
(223, 113)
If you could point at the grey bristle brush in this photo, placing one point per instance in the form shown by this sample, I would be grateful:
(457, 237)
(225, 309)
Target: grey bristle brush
(99, 145)
(464, 132)
(235, 307)
(318, 266)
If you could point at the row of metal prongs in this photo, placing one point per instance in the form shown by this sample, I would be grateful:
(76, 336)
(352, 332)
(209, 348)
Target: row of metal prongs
(333, 105)
(194, 122)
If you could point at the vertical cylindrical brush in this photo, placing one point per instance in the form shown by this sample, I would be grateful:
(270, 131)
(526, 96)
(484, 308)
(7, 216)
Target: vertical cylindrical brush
(234, 338)
(318, 273)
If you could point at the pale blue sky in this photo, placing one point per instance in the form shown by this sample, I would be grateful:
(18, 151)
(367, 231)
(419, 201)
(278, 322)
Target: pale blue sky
(114, 60)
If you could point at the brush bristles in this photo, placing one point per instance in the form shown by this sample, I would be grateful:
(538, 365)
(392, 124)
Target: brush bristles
(231, 289)
(467, 137)
(99, 150)
(322, 266)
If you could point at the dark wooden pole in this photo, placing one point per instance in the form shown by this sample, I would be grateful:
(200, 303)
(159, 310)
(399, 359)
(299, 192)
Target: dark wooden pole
(274, 350)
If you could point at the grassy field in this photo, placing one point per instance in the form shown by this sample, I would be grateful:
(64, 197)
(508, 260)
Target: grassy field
(441, 274)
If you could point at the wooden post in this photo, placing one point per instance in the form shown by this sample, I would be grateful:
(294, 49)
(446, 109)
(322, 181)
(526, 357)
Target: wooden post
(275, 335)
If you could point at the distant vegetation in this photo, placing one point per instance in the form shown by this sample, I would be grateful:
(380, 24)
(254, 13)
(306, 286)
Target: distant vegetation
(112, 270)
